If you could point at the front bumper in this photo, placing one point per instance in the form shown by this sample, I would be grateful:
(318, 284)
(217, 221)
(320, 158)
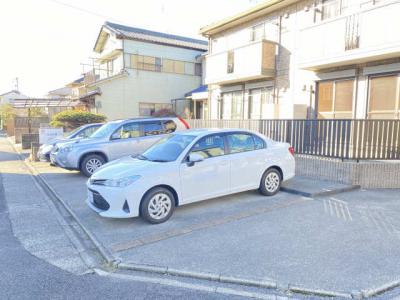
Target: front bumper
(63, 160)
(114, 202)
(43, 156)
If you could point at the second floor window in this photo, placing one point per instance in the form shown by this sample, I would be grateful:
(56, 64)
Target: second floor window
(330, 9)
(158, 64)
(231, 62)
(257, 32)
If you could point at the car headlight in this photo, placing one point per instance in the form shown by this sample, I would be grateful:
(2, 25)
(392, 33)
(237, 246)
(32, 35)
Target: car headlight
(46, 148)
(121, 182)
(65, 149)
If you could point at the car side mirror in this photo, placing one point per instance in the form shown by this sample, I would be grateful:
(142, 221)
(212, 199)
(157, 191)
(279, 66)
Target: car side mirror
(194, 158)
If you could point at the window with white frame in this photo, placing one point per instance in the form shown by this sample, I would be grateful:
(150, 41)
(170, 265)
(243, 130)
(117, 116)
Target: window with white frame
(327, 9)
(232, 105)
(259, 99)
(257, 32)
(231, 62)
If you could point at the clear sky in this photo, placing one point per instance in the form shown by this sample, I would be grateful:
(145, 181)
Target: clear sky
(44, 42)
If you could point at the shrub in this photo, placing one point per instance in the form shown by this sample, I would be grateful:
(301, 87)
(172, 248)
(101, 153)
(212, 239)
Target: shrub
(70, 119)
(165, 112)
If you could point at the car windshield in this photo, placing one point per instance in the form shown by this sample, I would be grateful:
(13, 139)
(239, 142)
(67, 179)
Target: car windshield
(105, 130)
(72, 133)
(168, 148)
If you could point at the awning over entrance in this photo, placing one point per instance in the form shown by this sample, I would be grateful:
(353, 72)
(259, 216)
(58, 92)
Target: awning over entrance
(199, 93)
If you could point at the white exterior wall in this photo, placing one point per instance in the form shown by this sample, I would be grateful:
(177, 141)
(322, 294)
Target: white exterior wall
(309, 48)
(121, 94)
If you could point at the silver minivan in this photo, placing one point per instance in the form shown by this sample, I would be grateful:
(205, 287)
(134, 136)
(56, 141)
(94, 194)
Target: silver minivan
(113, 140)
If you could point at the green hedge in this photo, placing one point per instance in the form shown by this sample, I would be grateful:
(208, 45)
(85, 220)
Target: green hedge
(75, 118)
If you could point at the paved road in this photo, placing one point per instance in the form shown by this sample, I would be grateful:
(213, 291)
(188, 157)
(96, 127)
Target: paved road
(345, 242)
(24, 276)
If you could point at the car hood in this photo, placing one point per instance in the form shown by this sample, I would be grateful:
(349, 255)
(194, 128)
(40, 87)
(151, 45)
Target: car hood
(80, 141)
(126, 166)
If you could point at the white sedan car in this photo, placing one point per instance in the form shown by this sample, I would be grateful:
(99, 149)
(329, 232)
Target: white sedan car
(187, 167)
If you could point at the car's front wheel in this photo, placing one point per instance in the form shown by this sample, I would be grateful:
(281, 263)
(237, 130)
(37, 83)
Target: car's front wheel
(91, 163)
(270, 182)
(157, 205)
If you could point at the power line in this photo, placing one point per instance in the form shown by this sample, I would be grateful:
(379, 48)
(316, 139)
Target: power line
(88, 11)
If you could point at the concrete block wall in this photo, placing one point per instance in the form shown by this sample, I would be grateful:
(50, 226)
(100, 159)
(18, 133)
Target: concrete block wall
(367, 174)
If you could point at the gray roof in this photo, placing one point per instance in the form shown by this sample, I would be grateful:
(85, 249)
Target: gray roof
(157, 37)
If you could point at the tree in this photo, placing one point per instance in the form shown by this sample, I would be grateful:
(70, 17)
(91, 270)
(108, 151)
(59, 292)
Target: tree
(7, 112)
(70, 119)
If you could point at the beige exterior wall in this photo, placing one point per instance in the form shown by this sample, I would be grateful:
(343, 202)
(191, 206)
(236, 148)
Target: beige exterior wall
(126, 87)
(311, 51)
(121, 96)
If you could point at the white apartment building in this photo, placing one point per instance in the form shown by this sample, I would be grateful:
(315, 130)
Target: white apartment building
(288, 59)
(138, 71)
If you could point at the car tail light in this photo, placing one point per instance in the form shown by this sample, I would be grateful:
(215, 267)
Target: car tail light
(291, 150)
(184, 123)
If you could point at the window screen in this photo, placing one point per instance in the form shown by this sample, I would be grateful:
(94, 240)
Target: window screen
(325, 96)
(383, 93)
(179, 67)
(335, 99)
(344, 95)
(168, 65)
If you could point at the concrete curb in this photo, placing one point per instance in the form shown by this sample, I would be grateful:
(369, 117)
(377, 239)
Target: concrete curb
(320, 194)
(319, 292)
(116, 263)
(379, 290)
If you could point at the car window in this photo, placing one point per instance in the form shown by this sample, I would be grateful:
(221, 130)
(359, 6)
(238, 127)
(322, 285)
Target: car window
(259, 143)
(169, 126)
(210, 146)
(152, 128)
(240, 142)
(88, 131)
(126, 131)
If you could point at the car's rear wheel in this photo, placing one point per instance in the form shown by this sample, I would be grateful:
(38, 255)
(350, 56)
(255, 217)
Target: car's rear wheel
(91, 163)
(157, 205)
(270, 182)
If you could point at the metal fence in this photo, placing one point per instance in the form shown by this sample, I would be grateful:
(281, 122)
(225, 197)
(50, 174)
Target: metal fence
(345, 139)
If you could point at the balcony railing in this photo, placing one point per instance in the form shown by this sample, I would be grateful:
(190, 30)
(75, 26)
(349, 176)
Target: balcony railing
(253, 61)
(356, 37)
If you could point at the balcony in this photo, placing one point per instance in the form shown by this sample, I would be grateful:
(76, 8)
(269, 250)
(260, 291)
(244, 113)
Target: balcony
(249, 62)
(104, 67)
(368, 35)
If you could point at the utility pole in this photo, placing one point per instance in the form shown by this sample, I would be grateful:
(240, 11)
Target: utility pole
(16, 87)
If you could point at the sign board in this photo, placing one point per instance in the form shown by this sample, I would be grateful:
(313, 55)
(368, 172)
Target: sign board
(47, 134)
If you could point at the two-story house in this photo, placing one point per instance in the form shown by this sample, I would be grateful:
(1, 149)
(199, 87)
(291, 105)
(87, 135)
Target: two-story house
(285, 59)
(138, 71)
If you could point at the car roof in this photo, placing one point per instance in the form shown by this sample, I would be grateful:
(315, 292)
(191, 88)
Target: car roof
(142, 119)
(206, 131)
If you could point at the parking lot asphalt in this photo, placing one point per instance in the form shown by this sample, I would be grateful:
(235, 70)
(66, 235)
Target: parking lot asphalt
(343, 243)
